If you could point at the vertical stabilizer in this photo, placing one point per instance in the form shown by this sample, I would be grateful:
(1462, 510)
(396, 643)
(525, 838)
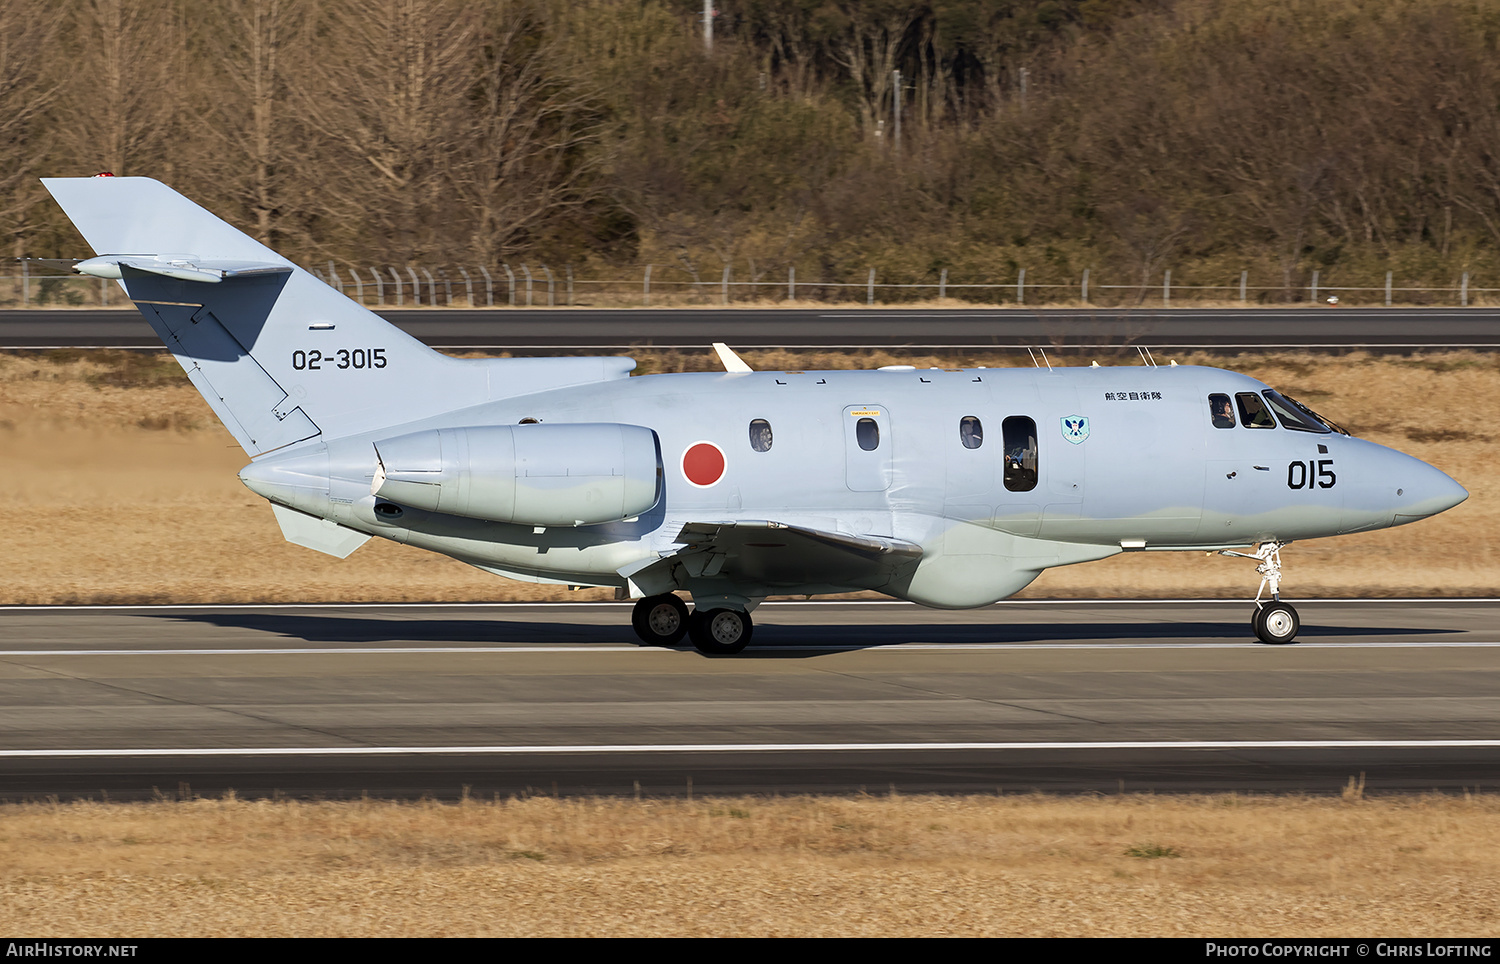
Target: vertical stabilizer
(279, 355)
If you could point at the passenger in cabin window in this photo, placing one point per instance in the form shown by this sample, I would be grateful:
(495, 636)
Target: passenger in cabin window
(760, 435)
(970, 432)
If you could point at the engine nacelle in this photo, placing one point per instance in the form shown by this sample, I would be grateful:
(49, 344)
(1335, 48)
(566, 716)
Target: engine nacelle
(537, 475)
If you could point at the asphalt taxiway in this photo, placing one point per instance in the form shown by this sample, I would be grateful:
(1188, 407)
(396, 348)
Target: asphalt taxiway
(614, 330)
(406, 701)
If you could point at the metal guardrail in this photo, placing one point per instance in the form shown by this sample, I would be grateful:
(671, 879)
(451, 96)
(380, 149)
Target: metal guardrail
(41, 283)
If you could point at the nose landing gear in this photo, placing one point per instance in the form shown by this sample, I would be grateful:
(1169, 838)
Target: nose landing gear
(1273, 621)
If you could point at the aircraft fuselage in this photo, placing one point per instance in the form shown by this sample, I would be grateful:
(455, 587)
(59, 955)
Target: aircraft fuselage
(1120, 459)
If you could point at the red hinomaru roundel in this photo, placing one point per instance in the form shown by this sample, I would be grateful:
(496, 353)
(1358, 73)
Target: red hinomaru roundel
(703, 464)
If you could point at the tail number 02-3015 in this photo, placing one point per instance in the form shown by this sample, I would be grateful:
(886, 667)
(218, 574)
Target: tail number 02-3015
(315, 360)
(1306, 475)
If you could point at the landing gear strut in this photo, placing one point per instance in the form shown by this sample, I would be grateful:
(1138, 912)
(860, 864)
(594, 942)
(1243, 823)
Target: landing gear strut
(1274, 621)
(660, 620)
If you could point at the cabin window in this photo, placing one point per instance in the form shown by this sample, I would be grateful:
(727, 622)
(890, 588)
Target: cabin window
(970, 432)
(760, 435)
(1221, 411)
(1019, 440)
(868, 433)
(1293, 415)
(1253, 411)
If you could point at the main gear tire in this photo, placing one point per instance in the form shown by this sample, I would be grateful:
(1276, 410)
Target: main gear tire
(660, 620)
(720, 632)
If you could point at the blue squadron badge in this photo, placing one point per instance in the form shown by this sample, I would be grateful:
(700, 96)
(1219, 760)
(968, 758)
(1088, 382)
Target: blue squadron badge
(1075, 428)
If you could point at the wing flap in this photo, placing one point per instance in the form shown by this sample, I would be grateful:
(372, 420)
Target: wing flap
(775, 555)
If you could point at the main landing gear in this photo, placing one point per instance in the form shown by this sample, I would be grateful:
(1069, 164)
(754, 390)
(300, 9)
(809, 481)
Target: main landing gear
(1273, 621)
(663, 621)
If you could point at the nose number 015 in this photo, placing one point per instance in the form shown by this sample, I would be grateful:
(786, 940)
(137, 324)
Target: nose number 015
(1306, 475)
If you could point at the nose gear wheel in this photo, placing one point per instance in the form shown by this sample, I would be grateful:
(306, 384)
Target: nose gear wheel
(1274, 621)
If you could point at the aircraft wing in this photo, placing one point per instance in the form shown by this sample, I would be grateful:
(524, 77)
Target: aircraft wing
(775, 554)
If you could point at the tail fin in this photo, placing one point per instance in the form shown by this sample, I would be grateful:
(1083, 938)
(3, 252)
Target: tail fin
(280, 356)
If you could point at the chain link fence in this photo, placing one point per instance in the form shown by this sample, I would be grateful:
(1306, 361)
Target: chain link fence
(36, 283)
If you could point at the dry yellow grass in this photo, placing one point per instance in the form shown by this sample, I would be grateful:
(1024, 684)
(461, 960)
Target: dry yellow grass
(1222, 866)
(122, 488)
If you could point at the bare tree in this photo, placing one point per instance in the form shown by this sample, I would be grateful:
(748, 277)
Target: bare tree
(120, 90)
(529, 153)
(27, 34)
(256, 145)
(386, 102)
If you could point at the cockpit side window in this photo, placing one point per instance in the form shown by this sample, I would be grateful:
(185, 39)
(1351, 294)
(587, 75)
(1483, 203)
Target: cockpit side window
(970, 432)
(760, 435)
(1221, 411)
(1019, 439)
(1253, 412)
(1293, 415)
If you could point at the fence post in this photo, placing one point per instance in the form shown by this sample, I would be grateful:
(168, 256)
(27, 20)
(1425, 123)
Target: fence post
(943, 285)
(1463, 291)
(791, 283)
(570, 284)
(359, 287)
(379, 288)
(1244, 276)
(1388, 289)
(1166, 289)
(646, 287)
(431, 288)
(447, 286)
(489, 287)
(526, 272)
(399, 296)
(1021, 287)
(1085, 285)
(551, 287)
(25, 282)
(416, 286)
(104, 292)
(1315, 287)
(468, 284)
(333, 277)
(870, 288)
(510, 282)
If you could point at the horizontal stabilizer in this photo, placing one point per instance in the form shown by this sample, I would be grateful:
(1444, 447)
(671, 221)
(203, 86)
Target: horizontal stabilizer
(183, 268)
(321, 534)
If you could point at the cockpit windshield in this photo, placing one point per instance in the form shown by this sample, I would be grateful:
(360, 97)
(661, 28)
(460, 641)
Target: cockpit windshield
(1298, 417)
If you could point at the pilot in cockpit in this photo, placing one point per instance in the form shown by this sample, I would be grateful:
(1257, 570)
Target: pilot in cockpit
(1223, 412)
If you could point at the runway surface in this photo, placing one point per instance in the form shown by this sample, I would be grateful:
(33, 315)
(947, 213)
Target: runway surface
(616, 330)
(405, 701)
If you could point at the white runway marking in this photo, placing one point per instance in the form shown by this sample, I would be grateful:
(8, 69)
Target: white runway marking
(755, 748)
(790, 648)
(779, 604)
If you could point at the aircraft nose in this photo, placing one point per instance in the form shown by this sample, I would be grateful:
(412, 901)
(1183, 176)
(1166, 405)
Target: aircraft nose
(1430, 492)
